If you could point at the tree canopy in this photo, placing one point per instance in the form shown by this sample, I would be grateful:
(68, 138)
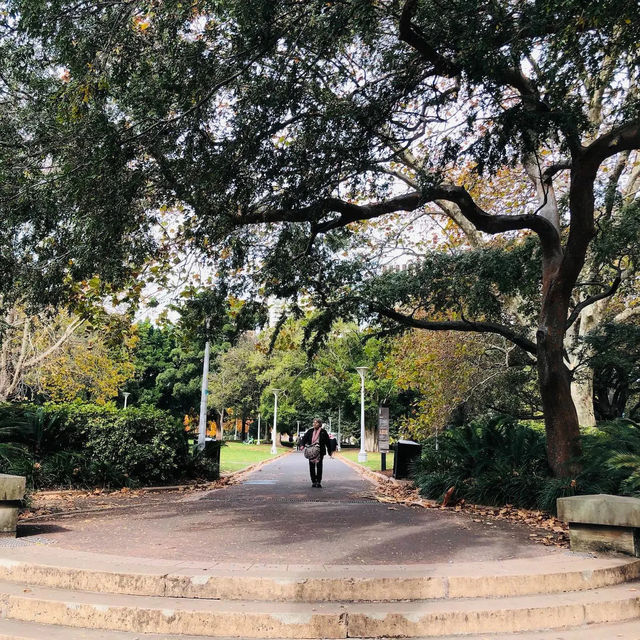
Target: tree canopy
(284, 137)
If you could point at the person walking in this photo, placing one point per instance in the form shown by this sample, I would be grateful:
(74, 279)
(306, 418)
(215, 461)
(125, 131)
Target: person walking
(316, 436)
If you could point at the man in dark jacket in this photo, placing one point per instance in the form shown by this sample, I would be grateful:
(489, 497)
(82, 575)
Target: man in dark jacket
(312, 436)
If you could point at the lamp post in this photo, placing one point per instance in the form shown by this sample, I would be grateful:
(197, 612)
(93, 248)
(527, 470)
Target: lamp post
(274, 449)
(204, 392)
(259, 416)
(126, 395)
(339, 411)
(298, 432)
(362, 455)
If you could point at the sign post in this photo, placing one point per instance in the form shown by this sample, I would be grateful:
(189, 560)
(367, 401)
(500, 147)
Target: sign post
(383, 436)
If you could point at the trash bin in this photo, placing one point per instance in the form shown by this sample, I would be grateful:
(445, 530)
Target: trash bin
(405, 452)
(212, 452)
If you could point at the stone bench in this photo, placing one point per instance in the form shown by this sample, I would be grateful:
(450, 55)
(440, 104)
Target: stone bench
(12, 490)
(602, 522)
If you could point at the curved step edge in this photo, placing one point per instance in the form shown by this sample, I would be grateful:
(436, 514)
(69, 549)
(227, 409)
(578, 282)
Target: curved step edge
(250, 619)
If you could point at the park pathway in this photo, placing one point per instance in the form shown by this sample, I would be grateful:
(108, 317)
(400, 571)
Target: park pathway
(275, 517)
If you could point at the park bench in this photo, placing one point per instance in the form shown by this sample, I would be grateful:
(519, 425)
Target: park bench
(602, 522)
(12, 490)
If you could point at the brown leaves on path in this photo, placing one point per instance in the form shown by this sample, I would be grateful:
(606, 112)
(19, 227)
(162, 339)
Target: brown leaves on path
(51, 503)
(545, 528)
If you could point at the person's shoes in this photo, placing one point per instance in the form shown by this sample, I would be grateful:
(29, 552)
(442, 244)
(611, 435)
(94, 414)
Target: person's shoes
(314, 484)
(318, 485)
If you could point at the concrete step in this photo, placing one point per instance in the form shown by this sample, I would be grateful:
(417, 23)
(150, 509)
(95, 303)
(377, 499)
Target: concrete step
(312, 583)
(252, 619)
(12, 630)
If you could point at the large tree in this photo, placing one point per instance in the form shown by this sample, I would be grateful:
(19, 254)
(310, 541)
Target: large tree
(283, 128)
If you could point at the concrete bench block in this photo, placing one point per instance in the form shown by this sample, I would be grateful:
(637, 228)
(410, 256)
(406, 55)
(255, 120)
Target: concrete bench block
(12, 490)
(602, 522)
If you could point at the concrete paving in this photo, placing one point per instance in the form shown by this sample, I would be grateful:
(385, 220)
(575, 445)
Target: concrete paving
(275, 517)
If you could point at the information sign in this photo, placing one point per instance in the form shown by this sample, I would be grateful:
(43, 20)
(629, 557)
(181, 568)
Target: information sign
(383, 429)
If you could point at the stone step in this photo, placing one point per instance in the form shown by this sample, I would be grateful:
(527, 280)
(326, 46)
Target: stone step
(94, 572)
(252, 619)
(13, 630)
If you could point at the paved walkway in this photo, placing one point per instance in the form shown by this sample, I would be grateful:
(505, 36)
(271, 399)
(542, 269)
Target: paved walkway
(276, 517)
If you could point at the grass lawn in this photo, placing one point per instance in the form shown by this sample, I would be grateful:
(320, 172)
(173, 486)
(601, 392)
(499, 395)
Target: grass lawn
(373, 459)
(235, 455)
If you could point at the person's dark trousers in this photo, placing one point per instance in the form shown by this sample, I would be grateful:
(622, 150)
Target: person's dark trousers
(315, 469)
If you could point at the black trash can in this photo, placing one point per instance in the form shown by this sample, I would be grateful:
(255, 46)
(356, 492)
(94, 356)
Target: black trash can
(212, 452)
(406, 452)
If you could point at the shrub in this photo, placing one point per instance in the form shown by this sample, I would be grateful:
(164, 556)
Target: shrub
(140, 445)
(491, 461)
(496, 461)
(87, 445)
(201, 467)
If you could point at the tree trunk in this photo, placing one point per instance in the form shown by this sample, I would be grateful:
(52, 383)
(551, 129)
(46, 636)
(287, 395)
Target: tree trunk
(561, 418)
(582, 396)
(371, 438)
(582, 383)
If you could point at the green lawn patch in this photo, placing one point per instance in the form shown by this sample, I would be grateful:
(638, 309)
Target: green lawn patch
(235, 455)
(373, 459)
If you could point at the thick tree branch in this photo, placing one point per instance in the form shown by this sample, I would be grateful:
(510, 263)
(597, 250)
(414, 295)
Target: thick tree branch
(352, 212)
(551, 170)
(459, 325)
(483, 221)
(575, 314)
(349, 212)
(629, 312)
(480, 219)
(414, 38)
(623, 138)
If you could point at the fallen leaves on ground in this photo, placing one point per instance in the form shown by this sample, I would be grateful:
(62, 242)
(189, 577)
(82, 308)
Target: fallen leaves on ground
(45, 503)
(546, 529)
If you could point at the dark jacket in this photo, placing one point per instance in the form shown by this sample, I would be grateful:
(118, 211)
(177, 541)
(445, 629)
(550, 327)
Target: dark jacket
(325, 447)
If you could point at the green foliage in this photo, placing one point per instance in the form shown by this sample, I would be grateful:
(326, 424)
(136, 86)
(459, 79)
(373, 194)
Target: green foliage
(615, 359)
(490, 461)
(201, 467)
(139, 445)
(475, 282)
(278, 131)
(152, 356)
(89, 445)
(497, 461)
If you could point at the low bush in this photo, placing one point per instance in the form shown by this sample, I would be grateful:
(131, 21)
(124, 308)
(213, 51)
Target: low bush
(490, 461)
(135, 446)
(76, 445)
(496, 461)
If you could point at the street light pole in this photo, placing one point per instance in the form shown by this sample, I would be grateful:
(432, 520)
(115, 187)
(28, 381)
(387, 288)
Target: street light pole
(204, 392)
(362, 455)
(126, 395)
(258, 428)
(274, 449)
(339, 411)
